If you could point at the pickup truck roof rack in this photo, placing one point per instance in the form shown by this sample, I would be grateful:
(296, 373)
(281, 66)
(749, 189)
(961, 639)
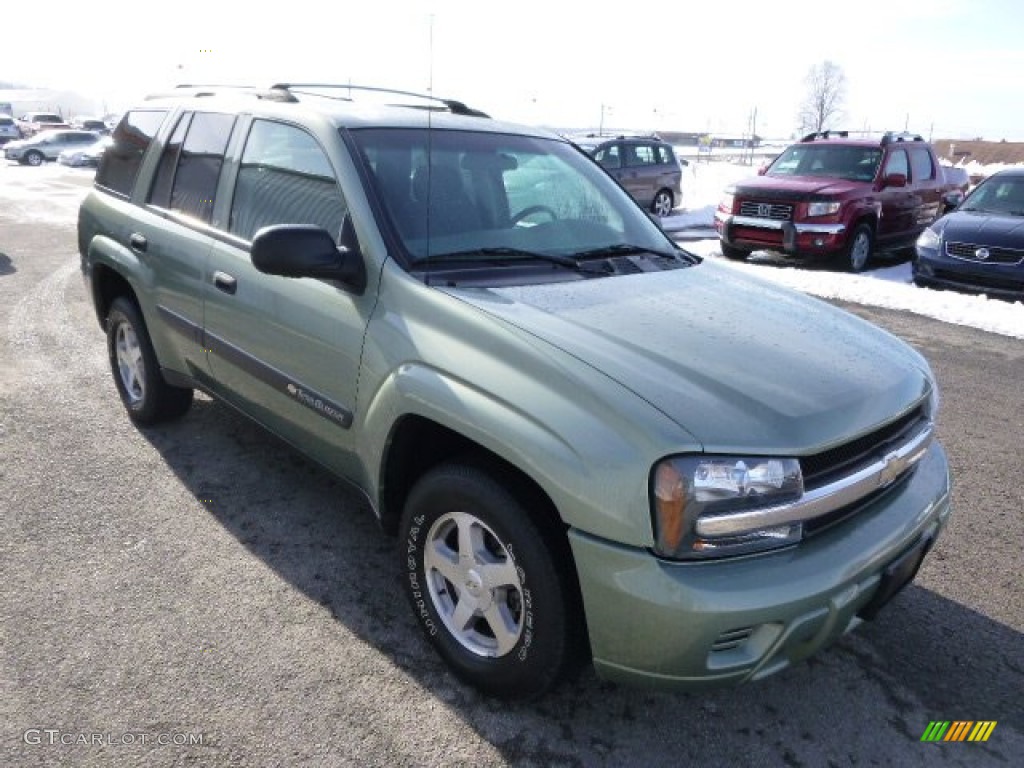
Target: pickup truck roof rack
(287, 92)
(814, 136)
(891, 136)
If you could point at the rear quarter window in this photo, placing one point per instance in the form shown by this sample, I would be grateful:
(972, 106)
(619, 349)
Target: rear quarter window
(132, 137)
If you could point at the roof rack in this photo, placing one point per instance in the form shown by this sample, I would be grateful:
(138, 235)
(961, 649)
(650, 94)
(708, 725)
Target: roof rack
(825, 135)
(286, 92)
(891, 136)
(200, 90)
(452, 105)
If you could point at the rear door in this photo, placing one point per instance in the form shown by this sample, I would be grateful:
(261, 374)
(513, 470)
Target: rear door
(176, 231)
(927, 180)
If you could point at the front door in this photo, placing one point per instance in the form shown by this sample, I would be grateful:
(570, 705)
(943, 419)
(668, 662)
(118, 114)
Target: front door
(286, 350)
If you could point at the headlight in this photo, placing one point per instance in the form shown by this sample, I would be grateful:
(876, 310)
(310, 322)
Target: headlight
(725, 202)
(822, 209)
(929, 239)
(694, 492)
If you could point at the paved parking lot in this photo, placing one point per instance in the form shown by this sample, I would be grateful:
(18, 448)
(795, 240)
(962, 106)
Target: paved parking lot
(198, 594)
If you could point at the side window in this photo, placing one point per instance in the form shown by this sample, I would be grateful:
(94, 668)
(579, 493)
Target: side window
(120, 163)
(285, 178)
(639, 154)
(921, 164)
(608, 156)
(199, 163)
(160, 192)
(664, 155)
(897, 163)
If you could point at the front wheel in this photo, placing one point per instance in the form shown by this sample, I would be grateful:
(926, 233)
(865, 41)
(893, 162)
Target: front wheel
(663, 203)
(858, 252)
(735, 254)
(34, 158)
(146, 396)
(490, 588)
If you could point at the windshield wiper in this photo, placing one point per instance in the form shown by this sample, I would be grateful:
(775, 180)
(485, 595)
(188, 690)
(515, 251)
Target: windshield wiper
(519, 254)
(626, 249)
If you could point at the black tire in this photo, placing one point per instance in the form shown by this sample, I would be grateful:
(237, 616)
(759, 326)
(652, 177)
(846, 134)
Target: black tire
(663, 203)
(513, 574)
(146, 396)
(736, 254)
(34, 158)
(860, 248)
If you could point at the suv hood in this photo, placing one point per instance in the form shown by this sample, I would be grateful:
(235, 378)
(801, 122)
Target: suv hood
(796, 187)
(740, 364)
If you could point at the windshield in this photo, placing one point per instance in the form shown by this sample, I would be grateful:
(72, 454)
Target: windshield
(844, 162)
(997, 195)
(460, 196)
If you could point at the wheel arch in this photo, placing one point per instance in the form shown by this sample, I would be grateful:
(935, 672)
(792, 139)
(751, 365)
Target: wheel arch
(107, 285)
(405, 461)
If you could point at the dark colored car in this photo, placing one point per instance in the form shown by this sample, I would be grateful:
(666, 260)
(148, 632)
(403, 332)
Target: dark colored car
(979, 246)
(645, 166)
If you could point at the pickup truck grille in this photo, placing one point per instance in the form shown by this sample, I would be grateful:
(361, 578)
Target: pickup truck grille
(969, 251)
(777, 211)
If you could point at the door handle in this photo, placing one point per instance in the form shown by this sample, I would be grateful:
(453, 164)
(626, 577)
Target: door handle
(138, 242)
(225, 282)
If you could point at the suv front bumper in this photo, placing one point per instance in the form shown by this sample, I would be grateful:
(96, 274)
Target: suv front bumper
(796, 238)
(698, 625)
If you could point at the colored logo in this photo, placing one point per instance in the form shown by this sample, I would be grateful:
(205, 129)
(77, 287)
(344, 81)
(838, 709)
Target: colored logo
(958, 730)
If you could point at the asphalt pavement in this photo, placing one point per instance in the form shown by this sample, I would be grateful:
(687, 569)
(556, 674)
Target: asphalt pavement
(198, 594)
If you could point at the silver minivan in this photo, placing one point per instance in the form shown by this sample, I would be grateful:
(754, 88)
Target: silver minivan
(646, 167)
(48, 145)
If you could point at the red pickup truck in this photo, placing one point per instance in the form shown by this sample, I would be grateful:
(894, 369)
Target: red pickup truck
(830, 195)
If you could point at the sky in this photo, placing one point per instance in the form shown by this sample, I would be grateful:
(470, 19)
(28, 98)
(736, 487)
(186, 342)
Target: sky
(942, 68)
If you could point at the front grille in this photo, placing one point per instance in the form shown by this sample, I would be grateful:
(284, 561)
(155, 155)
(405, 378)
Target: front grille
(777, 211)
(835, 463)
(969, 251)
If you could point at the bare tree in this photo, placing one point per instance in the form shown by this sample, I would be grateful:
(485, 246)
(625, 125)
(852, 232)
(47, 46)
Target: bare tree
(826, 89)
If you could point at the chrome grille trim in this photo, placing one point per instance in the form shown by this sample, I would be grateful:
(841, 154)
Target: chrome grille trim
(997, 255)
(764, 210)
(828, 498)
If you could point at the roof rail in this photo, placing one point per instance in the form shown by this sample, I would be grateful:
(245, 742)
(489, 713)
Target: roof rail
(199, 90)
(891, 136)
(814, 136)
(452, 105)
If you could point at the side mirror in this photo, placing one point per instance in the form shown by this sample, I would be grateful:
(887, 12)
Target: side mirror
(304, 250)
(951, 200)
(895, 180)
(762, 170)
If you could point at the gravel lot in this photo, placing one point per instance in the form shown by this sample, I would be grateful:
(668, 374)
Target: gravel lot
(199, 594)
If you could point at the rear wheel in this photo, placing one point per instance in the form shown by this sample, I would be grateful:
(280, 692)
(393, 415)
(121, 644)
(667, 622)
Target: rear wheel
(736, 254)
(34, 157)
(490, 587)
(146, 396)
(663, 203)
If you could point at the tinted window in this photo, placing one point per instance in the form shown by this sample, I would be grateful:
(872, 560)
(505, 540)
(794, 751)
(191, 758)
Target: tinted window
(639, 154)
(664, 154)
(199, 163)
(160, 193)
(921, 164)
(285, 178)
(609, 156)
(132, 137)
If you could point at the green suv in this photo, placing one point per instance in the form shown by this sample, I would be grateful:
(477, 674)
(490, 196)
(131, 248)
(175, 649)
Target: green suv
(590, 444)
